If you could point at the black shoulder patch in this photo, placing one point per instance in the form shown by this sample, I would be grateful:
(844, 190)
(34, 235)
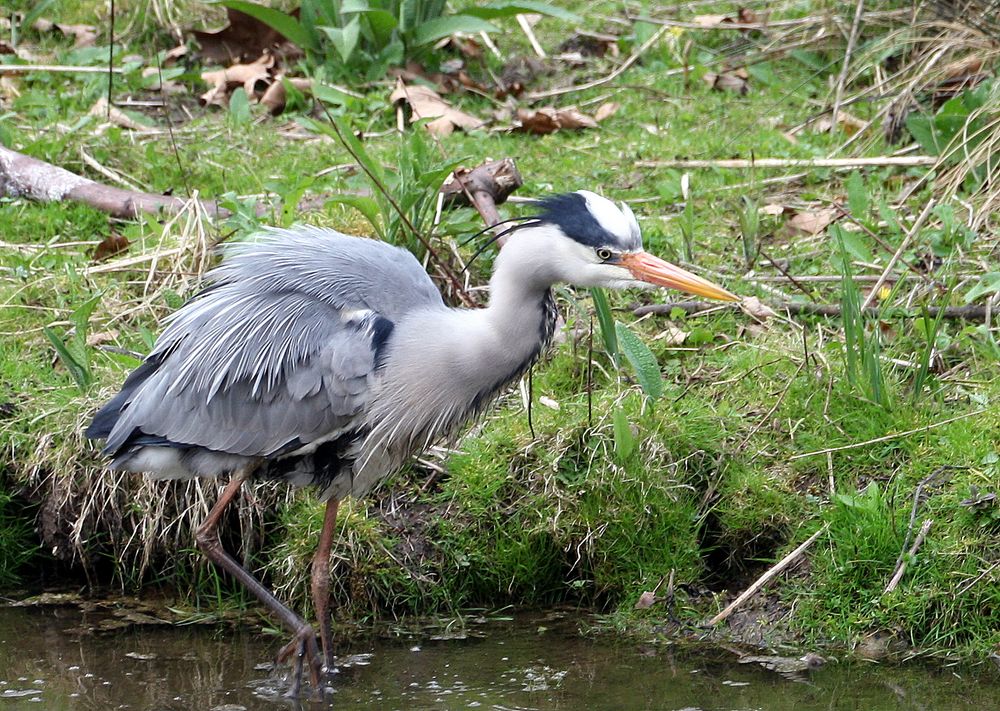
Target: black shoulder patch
(381, 330)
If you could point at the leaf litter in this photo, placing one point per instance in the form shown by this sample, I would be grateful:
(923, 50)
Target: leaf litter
(425, 103)
(243, 40)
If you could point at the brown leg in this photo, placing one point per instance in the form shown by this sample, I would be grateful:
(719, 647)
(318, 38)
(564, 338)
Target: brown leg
(207, 538)
(321, 580)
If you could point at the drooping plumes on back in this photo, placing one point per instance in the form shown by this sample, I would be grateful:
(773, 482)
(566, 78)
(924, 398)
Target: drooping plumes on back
(276, 356)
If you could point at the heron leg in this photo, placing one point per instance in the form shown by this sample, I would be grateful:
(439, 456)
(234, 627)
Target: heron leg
(321, 580)
(207, 539)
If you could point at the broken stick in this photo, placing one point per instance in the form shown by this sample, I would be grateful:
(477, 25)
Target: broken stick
(771, 572)
(24, 176)
(483, 187)
(901, 567)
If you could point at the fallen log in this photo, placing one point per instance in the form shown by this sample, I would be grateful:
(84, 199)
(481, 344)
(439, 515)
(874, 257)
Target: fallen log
(484, 187)
(24, 176)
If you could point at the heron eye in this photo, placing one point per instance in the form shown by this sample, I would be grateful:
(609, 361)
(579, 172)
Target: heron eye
(604, 254)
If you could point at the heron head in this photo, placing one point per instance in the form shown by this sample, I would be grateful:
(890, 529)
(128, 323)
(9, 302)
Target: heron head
(594, 242)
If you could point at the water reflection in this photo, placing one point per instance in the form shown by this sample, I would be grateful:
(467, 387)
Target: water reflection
(47, 663)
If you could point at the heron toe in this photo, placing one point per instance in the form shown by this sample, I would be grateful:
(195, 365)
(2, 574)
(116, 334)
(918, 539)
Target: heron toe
(305, 650)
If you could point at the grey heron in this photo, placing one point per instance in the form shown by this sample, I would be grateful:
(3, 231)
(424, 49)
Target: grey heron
(326, 360)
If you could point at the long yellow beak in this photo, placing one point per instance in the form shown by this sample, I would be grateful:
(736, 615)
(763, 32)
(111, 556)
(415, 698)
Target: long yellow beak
(645, 267)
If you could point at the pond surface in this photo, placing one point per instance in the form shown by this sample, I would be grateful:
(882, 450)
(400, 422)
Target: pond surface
(47, 662)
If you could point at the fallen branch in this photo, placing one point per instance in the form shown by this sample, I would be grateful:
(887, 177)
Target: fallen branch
(763, 579)
(489, 185)
(969, 312)
(24, 176)
(742, 163)
(901, 567)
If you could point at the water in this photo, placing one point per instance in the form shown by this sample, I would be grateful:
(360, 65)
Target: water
(47, 662)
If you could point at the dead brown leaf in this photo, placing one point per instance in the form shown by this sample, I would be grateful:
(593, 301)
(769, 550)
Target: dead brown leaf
(102, 337)
(710, 21)
(606, 110)
(735, 81)
(6, 48)
(177, 53)
(962, 68)
(83, 35)
(645, 601)
(244, 39)
(446, 81)
(425, 103)
(114, 243)
(847, 122)
(8, 88)
(276, 95)
(745, 16)
(549, 119)
(811, 222)
(255, 78)
(672, 336)
(466, 46)
(752, 306)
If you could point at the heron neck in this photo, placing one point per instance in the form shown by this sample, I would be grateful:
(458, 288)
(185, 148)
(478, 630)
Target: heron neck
(520, 289)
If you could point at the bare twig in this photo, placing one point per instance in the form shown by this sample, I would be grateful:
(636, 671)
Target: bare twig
(771, 573)
(619, 70)
(107, 172)
(743, 163)
(842, 79)
(898, 575)
(530, 34)
(879, 241)
(25, 68)
(968, 586)
(913, 513)
(888, 437)
(917, 224)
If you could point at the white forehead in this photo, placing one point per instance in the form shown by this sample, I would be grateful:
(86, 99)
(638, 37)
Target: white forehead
(620, 222)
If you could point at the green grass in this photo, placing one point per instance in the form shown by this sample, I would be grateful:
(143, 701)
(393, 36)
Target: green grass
(710, 490)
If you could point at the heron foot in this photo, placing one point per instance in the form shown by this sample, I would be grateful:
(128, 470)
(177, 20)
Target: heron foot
(304, 649)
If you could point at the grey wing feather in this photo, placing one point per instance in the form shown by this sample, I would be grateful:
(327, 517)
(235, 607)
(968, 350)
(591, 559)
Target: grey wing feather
(282, 349)
(347, 272)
